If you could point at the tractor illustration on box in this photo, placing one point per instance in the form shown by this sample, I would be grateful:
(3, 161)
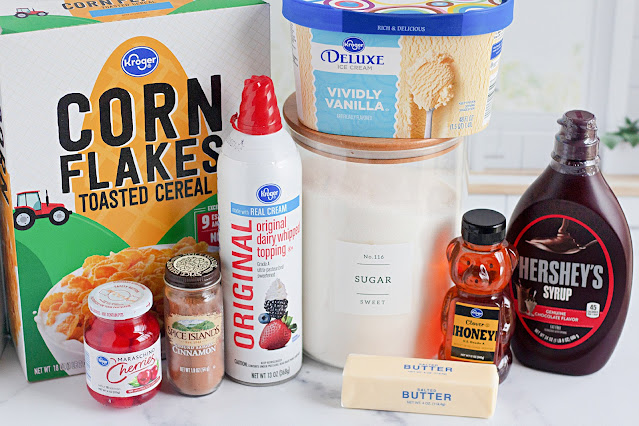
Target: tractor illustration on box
(24, 12)
(29, 208)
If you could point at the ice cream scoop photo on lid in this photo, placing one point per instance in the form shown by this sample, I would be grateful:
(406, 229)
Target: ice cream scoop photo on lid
(396, 69)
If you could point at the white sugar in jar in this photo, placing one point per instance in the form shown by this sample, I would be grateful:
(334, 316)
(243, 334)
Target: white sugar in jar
(378, 214)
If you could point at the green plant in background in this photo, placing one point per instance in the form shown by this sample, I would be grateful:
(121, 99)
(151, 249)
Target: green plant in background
(628, 132)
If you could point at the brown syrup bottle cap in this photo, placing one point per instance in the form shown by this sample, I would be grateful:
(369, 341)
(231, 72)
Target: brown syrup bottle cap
(192, 271)
(577, 138)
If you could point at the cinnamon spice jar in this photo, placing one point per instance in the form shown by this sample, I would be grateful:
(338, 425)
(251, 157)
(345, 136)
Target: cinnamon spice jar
(194, 323)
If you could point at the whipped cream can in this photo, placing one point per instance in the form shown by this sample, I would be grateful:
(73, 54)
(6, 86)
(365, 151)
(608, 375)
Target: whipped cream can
(260, 214)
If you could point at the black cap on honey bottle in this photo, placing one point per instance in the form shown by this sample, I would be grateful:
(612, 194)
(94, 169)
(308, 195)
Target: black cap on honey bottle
(192, 271)
(483, 227)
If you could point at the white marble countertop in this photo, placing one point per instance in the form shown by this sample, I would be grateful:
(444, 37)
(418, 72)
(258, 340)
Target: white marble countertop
(527, 397)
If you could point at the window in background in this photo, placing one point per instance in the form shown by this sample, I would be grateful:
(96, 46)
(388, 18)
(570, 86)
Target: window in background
(556, 57)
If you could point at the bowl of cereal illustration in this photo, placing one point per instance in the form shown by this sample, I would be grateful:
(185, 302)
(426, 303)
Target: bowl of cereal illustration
(64, 310)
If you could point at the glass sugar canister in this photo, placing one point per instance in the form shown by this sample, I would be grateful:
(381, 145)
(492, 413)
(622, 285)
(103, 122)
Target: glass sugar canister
(378, 214)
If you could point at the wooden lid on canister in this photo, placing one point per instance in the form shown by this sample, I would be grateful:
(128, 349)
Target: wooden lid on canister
(363, 149)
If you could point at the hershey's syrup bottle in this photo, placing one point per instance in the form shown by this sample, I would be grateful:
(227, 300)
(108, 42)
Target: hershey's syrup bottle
(572, 284)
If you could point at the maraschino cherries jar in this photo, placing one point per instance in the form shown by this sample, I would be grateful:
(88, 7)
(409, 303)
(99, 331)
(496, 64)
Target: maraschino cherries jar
(122, 345)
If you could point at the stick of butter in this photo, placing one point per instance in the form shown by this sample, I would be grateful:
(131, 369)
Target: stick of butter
(420, 386)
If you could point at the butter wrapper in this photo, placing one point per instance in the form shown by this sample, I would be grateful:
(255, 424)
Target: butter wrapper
(420, 386)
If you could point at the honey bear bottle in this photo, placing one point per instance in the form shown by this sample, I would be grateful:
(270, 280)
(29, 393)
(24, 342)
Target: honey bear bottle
(477, 315)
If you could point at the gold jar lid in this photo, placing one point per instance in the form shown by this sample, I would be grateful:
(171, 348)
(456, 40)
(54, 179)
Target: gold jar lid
(363, 149)
(192, 271)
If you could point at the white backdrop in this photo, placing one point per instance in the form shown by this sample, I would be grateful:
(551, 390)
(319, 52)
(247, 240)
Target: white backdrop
(281, 56)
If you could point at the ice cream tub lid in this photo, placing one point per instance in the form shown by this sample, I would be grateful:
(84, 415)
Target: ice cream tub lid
(402, 17)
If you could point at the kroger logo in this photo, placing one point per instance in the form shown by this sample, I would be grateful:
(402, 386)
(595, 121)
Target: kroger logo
(140, 61)
(103, 361)
(477, 313)
(269, 193)
(353, 44)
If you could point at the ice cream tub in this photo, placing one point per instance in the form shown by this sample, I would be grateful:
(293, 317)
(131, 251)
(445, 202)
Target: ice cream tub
(396, 68)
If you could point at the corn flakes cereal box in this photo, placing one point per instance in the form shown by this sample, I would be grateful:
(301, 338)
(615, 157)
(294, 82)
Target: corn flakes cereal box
(3, 329)
(112, 115)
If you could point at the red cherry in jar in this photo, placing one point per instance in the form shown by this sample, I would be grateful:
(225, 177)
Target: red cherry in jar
(122, 345)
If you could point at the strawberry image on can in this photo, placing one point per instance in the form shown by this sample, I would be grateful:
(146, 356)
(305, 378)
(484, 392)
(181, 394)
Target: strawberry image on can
(279, 326)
